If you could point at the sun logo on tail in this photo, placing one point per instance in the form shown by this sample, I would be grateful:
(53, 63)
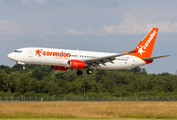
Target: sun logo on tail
(140, 50)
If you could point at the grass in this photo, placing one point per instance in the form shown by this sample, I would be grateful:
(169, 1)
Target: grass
(75, 110)
(86, 119)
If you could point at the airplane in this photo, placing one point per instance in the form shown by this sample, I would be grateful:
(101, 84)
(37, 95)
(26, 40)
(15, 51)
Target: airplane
(64, 59)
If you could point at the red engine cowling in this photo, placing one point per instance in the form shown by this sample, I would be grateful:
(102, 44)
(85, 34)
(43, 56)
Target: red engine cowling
(59, 68)
(77, 64)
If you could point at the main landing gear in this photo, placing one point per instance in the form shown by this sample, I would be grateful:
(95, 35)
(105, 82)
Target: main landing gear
(89, 71)
(79, 72)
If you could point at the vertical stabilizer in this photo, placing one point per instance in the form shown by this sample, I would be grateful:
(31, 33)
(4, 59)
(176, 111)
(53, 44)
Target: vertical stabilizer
(145, 47)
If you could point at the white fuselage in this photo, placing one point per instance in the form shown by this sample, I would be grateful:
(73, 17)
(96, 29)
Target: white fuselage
(64, 59)
(49, 56)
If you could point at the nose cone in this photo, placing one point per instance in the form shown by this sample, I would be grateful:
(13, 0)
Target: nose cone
(11, 56)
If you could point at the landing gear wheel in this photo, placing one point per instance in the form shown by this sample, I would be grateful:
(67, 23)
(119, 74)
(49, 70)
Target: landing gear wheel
(89, 71)
(79, 72)
(23, 67)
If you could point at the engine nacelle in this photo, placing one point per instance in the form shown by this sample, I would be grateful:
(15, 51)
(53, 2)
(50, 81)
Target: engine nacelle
(77, 64)
(59, 68)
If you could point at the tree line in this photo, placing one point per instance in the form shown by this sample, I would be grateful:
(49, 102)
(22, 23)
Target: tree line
(38, 80)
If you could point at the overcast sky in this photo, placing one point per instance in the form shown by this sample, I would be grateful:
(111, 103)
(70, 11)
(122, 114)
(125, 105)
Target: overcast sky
(94, 25)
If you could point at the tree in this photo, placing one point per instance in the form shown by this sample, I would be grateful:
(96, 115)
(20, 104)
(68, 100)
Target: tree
(136, 69)
(37, 74)
(3, 81)
(60, 76)
(150, 85)
(109, 86)
(34, 86)
(64, 86)
(24, 84)
(12, 84)
(99, 74)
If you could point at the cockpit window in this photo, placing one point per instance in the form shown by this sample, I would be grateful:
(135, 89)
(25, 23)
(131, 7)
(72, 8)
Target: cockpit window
(18, 51)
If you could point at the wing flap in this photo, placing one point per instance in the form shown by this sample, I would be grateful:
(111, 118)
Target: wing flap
(102, 60)
(107, 58)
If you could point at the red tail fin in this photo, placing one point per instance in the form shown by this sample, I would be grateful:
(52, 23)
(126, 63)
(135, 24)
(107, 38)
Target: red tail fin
(145, 47)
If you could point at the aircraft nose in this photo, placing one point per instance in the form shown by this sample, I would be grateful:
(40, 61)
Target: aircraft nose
(10, 55)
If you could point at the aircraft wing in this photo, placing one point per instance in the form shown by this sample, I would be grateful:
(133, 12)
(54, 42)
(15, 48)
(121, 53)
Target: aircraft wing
(152, 58)
(105, 59)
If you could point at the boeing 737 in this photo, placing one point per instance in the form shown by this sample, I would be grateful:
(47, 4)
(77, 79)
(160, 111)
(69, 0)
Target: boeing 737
(64, 59)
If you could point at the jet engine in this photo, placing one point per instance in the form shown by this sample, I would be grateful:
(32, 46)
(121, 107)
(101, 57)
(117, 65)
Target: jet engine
(77, 64)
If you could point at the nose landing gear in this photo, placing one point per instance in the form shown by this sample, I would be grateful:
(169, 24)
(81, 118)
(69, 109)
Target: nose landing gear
(23, 67)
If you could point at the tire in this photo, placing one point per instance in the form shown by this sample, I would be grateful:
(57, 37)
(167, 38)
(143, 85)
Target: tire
(89, 71)
(79, 72)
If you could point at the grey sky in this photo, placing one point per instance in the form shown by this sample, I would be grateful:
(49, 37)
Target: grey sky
(95, 25)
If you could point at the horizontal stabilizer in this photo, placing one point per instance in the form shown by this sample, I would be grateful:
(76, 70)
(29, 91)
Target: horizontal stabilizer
(152, 58)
